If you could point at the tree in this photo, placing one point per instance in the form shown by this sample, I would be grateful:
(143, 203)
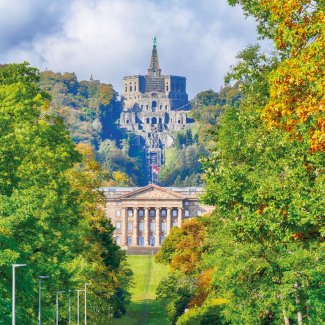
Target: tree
(267, 228)
(101, 259)
(188, 282)
(49, 220)
(296, 86)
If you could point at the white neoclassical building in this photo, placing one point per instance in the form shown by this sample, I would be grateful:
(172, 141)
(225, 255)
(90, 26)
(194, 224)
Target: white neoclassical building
(144, 216)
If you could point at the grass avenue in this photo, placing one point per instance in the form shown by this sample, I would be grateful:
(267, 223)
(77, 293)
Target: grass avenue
(144, 308)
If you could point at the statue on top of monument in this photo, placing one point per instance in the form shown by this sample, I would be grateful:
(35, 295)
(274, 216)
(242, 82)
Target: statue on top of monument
(154, 41)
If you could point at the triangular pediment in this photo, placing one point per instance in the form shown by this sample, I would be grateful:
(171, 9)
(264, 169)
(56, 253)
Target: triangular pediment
(152, 192)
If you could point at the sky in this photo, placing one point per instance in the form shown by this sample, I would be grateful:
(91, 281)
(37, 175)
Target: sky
(109, 39)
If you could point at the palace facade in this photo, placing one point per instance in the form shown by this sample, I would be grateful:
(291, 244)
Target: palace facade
(144, 216)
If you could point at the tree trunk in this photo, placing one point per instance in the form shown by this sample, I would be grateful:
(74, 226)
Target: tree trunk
(299, 317)
(299, 313)
(285, 318)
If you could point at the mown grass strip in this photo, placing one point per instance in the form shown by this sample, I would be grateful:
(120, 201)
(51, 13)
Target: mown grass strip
(144, 309)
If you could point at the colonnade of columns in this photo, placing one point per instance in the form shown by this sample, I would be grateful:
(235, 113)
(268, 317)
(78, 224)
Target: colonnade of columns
(146, 234)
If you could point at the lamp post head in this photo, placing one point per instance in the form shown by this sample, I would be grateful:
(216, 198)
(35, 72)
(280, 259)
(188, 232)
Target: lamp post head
(18, 265)
(43, 276)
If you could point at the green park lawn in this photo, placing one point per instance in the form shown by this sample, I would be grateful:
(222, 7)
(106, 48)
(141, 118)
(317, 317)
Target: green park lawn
(144, 309)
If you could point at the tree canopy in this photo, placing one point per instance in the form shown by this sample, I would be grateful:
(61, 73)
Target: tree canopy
(51, 215)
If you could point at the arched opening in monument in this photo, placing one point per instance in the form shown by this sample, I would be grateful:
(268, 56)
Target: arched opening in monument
(154, 120)
(179, 121)
(154, 105)
(127, 121)
(152, 241)
(141, 241)
(160, 120)
(129, 240)
(166, 118)
(147, 120)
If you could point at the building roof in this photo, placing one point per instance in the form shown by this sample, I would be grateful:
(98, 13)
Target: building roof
(176, 192)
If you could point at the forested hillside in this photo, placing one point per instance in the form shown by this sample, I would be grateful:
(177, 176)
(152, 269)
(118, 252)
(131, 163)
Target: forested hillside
(183, 165)
(90, 111)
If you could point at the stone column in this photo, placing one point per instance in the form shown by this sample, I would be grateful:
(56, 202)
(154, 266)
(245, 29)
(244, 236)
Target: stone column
(180, 217)
(124, 226)
(135, 227)
(157, 237)
(146, 227)
(168, 221)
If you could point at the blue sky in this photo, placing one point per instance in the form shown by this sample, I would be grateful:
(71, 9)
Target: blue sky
(109, 39)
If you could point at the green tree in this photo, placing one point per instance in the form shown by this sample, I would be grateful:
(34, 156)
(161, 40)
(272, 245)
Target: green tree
(269, 192)
(52, 224)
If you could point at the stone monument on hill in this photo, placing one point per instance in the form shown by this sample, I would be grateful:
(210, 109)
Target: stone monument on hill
(155, 106)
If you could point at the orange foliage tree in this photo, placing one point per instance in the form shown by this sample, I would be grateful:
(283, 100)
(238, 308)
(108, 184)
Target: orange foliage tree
(183, 250)
(297, 100)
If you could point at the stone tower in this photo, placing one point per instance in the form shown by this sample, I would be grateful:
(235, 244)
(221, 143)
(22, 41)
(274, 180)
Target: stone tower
(155, 105)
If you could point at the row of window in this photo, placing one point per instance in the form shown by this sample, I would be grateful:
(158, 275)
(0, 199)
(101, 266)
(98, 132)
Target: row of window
(154, 121)
(130, 88)
(152, 213)
(177, 87)
(152, 240)
(141, 226)
(153, 106)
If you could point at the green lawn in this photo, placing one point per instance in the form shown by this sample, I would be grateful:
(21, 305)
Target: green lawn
(144, 309)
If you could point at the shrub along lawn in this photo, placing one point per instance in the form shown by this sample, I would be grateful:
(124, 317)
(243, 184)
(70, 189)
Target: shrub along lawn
(144, 309)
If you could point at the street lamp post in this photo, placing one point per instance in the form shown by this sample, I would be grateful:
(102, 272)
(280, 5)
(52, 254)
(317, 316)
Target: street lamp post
(86, 302)
(40, 278)
(78, 304)
(13, 311)
(57, 306)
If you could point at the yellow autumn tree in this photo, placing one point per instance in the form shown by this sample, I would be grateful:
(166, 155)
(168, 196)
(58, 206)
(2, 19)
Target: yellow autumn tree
(297, 100)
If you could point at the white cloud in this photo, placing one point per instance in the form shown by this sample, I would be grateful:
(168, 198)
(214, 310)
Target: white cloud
(112, 38)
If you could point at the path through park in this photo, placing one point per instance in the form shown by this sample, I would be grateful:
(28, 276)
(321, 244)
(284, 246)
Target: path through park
(144, 309)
